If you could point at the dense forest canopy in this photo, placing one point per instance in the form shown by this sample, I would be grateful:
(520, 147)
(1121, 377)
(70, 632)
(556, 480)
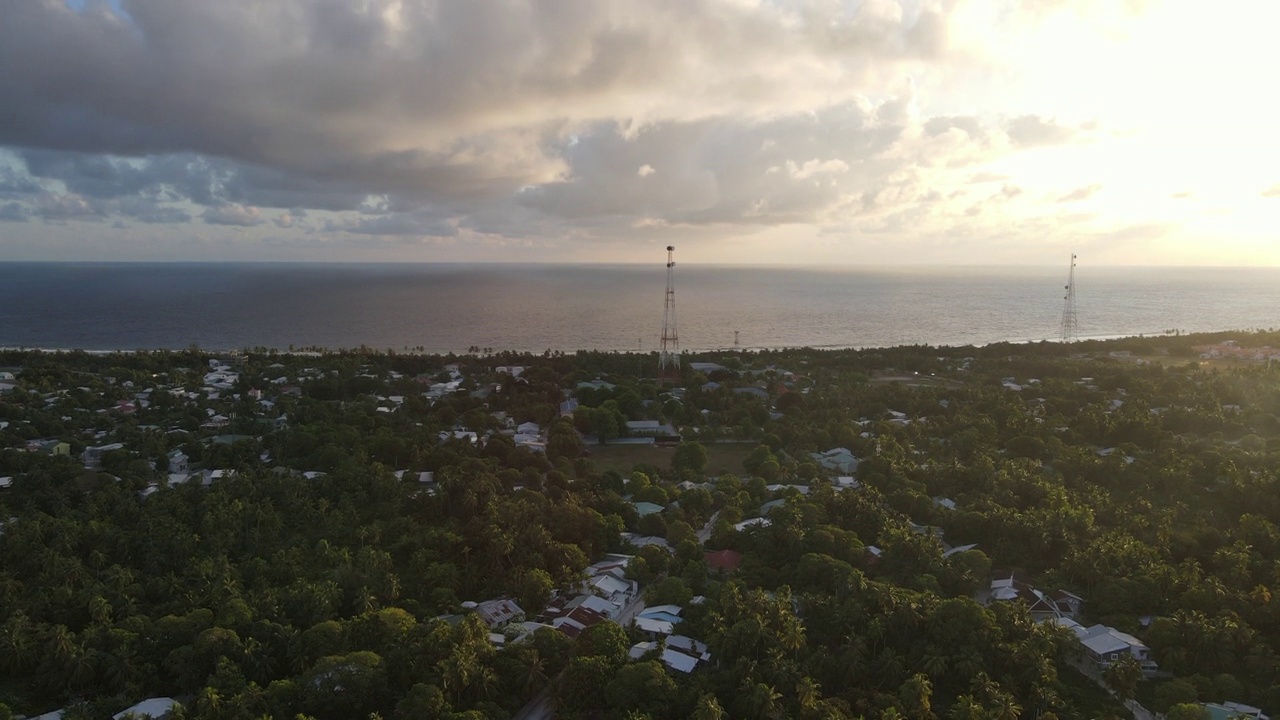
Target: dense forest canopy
(263, 534)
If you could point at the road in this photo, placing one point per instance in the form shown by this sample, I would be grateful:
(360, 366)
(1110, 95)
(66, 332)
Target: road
(542, 707)
(705, 533)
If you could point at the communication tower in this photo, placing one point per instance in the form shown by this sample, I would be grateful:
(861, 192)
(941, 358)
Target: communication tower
(1070, 330)
(669, 352)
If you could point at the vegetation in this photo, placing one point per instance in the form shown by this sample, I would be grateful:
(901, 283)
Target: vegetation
(1147, 488)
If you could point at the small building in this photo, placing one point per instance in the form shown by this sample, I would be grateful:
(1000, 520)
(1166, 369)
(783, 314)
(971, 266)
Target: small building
(92, 456)
(841, 460)
(497, 613)
(1234, 711)
(649, 428)
(1104, 645)
(155, 708)
(178, 461)
(49, 446)
(647, 508)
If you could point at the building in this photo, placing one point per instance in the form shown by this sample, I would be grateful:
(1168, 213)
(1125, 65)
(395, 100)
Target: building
(49, 446)
(1104, 645)
(92, 456)
(155, 708)
(1234, 711)
(841, 460)
(1043, 606)
(497, 613)
(178, 461)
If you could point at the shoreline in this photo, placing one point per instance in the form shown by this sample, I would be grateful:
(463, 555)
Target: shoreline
(625, 352)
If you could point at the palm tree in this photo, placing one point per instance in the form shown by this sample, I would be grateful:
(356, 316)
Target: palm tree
(792, 635)
(765, 702)
(534, 672)
(709, 709)
(808, 692)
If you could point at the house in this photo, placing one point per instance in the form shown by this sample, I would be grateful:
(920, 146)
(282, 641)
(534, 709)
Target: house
(49, 446)
(92, 456)
(596, 384)
(649, 428)
(1104, 645)
(156, 708)
(528, 428)
(645, 541)
(6, 482)
(761, 521)
(212, 476)
(677, 652)
(659, 619)
(1042, 606)
(839, 459)
(178, 461)
(568, 407)
(572, 616)
(772, 505)
(1233, 711)
(466, 435)
(497, 613)
(647, 508)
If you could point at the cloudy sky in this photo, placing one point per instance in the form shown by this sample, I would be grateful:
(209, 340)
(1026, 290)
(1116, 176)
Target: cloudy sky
(743, 131)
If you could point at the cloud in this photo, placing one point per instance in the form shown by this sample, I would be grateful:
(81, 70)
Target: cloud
(1035, 131)
(232, 214)
(15, 185)
(1081, 193)
(406, 224)
(1272, 192)
(14, 212)
(54, 207)
(446, 99)
(505, 119)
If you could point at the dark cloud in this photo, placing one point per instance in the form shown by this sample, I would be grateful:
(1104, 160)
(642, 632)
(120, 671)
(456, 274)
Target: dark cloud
(14, 185)
(62, 207)
(1082, 193)
(232, 214)
(150, 211)
(516, 118)
(14, 212)
(440, 99)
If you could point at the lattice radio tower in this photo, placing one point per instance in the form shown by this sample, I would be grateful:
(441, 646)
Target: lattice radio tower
(669, 353)
(1070, 330)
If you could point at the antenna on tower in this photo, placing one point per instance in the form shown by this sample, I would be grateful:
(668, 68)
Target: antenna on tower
(669, 352)
(1070, 330)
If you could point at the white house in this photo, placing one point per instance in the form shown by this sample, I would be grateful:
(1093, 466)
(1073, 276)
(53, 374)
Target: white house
(157, 708)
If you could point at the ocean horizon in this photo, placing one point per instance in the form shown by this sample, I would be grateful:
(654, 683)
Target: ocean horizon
(450, 307)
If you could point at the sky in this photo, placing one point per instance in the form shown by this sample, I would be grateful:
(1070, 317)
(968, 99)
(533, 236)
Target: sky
(834, 132)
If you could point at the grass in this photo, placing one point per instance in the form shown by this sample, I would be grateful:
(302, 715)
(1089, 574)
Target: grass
(624, 458)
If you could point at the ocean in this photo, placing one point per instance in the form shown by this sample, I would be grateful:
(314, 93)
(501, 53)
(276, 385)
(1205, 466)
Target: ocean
(452, 307)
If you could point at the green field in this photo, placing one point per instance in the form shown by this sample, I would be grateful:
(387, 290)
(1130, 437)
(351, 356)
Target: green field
(622, 458)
